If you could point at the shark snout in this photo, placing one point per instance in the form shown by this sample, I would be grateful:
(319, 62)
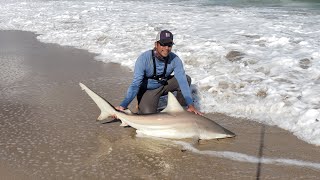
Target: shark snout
(229, 134)
(225, 134)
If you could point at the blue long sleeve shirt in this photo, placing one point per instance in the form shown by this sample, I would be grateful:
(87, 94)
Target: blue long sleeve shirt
(144, 68)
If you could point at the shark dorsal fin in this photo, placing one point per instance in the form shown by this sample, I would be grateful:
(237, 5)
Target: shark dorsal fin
(173, 105)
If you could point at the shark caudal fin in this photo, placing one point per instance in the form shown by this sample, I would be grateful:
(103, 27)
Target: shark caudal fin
(173, 105)
(106, 108)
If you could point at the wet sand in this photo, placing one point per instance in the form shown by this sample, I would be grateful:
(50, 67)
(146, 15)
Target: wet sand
(48, 128)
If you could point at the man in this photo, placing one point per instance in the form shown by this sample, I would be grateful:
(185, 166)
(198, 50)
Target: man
(152, 78)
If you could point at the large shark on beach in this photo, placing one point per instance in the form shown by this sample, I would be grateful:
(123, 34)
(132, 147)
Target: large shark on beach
(173, 122)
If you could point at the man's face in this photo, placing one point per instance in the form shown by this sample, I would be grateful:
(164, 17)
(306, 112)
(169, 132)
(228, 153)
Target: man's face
(163, 49)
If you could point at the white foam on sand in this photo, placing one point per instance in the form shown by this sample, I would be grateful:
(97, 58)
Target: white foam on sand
(235, 156)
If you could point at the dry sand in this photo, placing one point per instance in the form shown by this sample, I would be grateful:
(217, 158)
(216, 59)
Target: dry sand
(48, 128)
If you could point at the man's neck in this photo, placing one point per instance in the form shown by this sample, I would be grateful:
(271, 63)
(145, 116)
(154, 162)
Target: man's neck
(158, 55)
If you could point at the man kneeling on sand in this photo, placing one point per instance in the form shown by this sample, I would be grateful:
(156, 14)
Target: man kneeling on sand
(152, 78)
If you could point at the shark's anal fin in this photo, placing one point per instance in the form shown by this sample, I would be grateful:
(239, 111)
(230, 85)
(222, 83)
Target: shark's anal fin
(173, 105)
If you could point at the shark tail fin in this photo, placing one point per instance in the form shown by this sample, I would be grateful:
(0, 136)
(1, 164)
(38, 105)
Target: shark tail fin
(106, 108)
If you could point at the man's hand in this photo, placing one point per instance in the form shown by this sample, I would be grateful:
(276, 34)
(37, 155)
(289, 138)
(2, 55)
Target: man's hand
(119, 108)
(191, 108)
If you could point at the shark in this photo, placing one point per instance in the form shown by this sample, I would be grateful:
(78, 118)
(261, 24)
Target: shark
(173, 122)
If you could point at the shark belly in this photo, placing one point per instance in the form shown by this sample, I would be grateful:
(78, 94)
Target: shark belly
(169, 133)
(162, 125)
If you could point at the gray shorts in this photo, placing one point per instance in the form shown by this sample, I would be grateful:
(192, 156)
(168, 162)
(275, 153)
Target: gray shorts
(148, 99)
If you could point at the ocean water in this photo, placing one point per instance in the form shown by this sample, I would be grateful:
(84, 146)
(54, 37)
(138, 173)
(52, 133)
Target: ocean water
(247, 58)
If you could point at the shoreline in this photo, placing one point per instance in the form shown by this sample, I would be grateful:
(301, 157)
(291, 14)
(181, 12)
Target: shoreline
(48, 126)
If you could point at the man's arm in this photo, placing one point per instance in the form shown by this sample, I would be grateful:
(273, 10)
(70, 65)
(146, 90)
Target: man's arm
(180, 75)
(134, 87)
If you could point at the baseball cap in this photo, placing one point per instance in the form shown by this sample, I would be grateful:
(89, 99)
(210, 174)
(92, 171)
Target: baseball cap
(164, 36)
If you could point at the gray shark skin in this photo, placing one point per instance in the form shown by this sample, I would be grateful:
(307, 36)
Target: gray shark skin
(173, 122)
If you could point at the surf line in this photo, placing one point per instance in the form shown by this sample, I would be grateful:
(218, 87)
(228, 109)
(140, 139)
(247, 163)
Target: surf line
(247, 158)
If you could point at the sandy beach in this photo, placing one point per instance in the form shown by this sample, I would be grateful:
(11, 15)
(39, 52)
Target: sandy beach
(48, 127)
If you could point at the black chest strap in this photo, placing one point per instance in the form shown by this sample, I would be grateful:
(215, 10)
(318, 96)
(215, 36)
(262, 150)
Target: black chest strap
(163, 75)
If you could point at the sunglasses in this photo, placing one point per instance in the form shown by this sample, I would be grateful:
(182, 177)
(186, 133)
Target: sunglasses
(170, 44)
